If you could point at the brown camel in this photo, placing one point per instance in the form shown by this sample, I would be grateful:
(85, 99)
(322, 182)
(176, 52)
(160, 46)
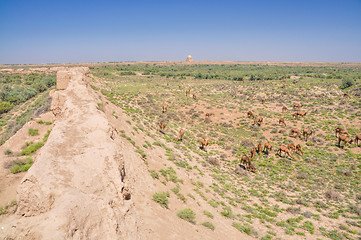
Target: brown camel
(345, 139)
(285, 150)
(291, 147)
(164, 108)
(180, 135)
(180, 86)
(358, 137)
(209, 115)
(162, 126)
(253, 153)
(299, 149)
(299, 113)
(260, 121)
(194, 96)
(251, 167)
(295, 130)
(188, 92)
(297, 105)
(245, 160)
(306, 133)
(250, 114)
(264, 100)
(284, 109)
(267, 147)
(204, 143)
(282, 121)
(259, 148)
(340, 131)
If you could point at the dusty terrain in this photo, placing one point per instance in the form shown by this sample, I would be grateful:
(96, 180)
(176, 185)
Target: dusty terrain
(105, 159)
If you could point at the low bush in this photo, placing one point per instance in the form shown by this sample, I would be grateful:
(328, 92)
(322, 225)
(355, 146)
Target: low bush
(161, 198)
(187, 214)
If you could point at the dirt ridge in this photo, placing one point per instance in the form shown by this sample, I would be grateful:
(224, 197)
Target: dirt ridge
(76, 187)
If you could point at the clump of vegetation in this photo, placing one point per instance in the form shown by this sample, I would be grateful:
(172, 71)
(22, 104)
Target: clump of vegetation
(153, 174)
(22, 165)
(346, 83)
(4, 210)
(31, 148)
(33, 132)
(161, 198)
(187, 214)
(209, 225)
(242, 228)
(208, 214)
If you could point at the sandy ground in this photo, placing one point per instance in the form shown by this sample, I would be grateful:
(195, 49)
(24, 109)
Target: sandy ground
(88, 183)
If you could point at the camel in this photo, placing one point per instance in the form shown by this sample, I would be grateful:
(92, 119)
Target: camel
(180, 135)
(299, 149)
(259, 148)
(250, 114)
(267, 147)
(358, 137)
(306, 133)
(164, 108)
(180, 86)
(341, 131)
(209, 115)
(285, 150)
(251, 167)
(162, 126)
(253, 153)
(204, 143)
(299, 113)
(245, 160)
(345, 139)
(188, 91)
(284, 109)
(194, 96)
(291, 147)
(264, 100)
(282, 121)
(260, 121)
(295, 130)
(297, 105)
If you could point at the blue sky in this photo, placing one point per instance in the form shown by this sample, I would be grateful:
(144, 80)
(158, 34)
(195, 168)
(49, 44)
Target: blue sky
(62, 31)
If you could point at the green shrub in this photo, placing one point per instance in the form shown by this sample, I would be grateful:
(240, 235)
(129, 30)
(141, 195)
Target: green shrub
(308, 225)
(208, 225)
(241, 228)
(46, 136)
(33, 132)
(5, 107)
(161, 198)
(346, 83)
(32, 148)
(153, 174)
(21, 165)
(187, 214)
(208, 214)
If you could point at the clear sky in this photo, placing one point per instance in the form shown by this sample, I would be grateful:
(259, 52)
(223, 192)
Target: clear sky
(61, 31)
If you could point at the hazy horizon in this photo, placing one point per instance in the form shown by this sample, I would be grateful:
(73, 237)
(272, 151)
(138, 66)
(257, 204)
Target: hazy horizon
(46, 32)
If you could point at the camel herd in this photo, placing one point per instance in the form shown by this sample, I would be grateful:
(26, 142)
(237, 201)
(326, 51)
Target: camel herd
(285, 150)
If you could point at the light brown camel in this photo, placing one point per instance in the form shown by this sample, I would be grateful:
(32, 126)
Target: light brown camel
(297, 131)
(250, 114)
(162, 126)
(264, 100)
(204, 143)
(291, 147)
(253, 153)
(306, 133)
(251, 167)
(180, 135)
(194, 96)
(284, 109)
(285, 150)
(267, 147)
(340, 131)
(245, 160)
(297, 105)
(164, 108)
(259, 148)
(345, 139)
(282, 121)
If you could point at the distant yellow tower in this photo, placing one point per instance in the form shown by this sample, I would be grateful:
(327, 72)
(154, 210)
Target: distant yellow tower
(189, 59)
